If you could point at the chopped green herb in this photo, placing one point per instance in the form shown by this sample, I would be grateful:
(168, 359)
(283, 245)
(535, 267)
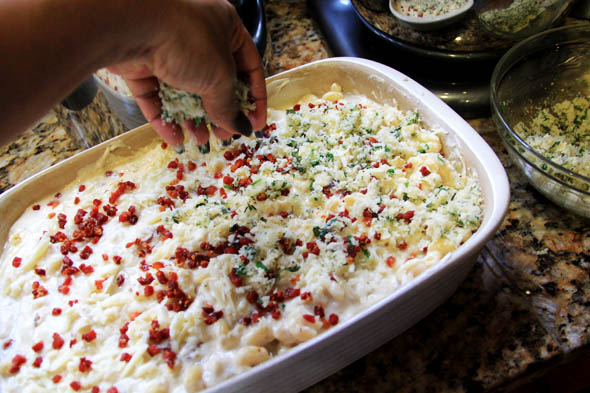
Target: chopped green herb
(414, 119)
(317, 231)
(240, 270)
(176, 217)
(260, 265)
(250, 252)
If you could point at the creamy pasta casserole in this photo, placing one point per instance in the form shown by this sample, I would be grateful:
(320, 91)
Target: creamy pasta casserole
(173, 273)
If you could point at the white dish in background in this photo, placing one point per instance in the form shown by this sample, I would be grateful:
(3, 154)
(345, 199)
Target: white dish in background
(426, 23)
(311, 361)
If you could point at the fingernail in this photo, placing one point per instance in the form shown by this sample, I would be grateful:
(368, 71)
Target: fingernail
(179, 148)
(226, 142)
(259, 134)
(206, 148)
(242, 124)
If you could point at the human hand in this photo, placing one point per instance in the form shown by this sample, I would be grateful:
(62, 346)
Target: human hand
(198, 46)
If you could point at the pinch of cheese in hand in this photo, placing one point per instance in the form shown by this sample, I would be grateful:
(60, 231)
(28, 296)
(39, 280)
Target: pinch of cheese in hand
(174, 273)
(180, 105)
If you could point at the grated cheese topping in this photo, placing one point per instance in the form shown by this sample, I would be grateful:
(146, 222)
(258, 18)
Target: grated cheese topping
(172, 273)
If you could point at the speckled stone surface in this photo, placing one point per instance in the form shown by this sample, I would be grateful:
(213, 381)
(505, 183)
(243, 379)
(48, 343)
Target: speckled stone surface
(53, 139)
(295, 37)
(523, 309)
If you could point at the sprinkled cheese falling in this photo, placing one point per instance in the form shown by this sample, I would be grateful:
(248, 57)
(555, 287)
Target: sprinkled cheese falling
(175, 273)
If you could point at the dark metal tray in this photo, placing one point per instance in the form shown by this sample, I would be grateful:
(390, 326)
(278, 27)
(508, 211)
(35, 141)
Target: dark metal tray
(461, 79)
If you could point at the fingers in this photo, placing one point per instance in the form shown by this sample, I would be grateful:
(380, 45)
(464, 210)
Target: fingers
(145, 91)
(146, 95)
(221, 133)
(258, 116)
(219, 100)
(221, 104)
(248, 62)
(207, 66)
(131, 70)
(170, 132)
(200, 133)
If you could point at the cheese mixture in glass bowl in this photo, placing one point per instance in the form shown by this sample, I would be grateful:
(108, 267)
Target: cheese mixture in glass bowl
(540, 93)
(561, 133)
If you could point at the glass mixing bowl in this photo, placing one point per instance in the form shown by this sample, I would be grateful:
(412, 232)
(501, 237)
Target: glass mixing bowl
(537, 73)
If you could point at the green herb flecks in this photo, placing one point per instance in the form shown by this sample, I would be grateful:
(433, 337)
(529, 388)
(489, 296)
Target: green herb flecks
(261, 265)
(240, 270)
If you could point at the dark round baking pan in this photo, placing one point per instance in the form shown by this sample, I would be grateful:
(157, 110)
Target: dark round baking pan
(252, 14)
(459, 79)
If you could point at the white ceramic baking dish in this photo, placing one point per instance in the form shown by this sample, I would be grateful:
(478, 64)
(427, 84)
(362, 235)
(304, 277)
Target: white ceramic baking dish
(348, 341)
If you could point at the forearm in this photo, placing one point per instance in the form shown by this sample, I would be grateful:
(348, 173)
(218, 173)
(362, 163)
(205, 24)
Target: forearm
(50, 46)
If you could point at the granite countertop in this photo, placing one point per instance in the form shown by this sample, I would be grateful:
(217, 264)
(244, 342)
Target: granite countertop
(522, 310)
